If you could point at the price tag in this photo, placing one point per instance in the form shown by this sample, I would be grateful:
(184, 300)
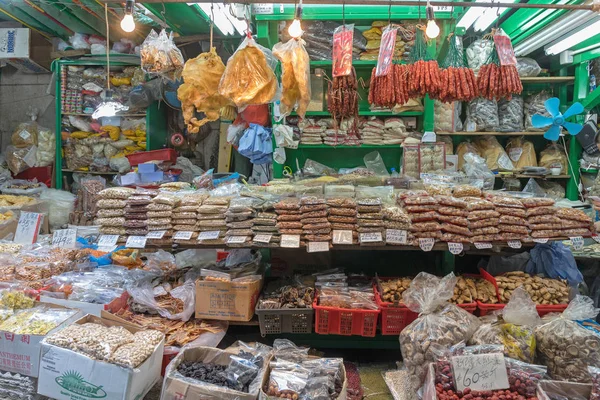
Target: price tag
(396, 236)
(577, 242)
(342, 237)
(211, 235)
(136, 242)
(515, 153)
(290, 241)
(596, 238)
(480, 372)
(426, 244)
(542, 240)
(155, 234)
(65, 238)
(370, 237)
(315, 247)
(455, 248)
(262, 8)
(28, 227)
(483, 245)
(263, 238)
(236, 239)
(183, 235)
(107, 240)
(514, 244)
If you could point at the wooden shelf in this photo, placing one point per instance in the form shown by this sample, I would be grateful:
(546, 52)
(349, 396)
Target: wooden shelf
(90, 172)
(533, 133)
(348, 146)
(366, 113)
(355, 63)
(548, 79)
(535, 176)
(118, 115)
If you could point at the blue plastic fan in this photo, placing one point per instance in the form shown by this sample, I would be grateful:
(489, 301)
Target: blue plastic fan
(557, 120)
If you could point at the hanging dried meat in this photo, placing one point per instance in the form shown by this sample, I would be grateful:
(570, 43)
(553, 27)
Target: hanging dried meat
(295, 77)
(424, 70)
(342, 96)
(391, 89)
(249, 78)
(496, 79)
(199, 91)
(457, 82)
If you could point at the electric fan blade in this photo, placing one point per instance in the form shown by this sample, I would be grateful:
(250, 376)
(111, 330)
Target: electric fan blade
(539, 121)
(553, 133)
(573, 128)
(552, 105)
(575, 109)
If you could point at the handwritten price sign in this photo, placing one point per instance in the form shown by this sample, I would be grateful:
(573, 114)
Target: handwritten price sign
(426, 244)
(64, 238)
(483, 245)
(290, 241)
(342, 237)
(315, 247)
(28, 227)
(577, 242)
(396, 236)
(455, 248)
(136, 242)
(480, 372)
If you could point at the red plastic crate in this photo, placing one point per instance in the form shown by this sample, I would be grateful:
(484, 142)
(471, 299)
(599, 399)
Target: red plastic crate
(168, 156)
(485, 309)
(42, 174)
(394, 317)
(344, 321)
(544, 309)
(469, 307)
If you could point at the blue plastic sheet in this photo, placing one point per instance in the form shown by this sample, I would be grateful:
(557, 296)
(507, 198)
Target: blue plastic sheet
(256, 144)
(554, 260)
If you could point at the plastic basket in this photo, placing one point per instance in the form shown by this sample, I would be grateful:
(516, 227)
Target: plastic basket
(288, 320)
(469, 307)
(344, 321)
(168, 156)
(394, 317)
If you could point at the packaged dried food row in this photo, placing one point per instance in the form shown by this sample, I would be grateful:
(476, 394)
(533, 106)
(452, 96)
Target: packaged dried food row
(370, 224)
(343, 217)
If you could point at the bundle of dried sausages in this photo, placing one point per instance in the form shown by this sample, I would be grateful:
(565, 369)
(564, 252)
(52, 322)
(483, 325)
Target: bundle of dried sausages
(496, 82)
(342, 97)
(424, 79)
(458, 84)
(391, 89)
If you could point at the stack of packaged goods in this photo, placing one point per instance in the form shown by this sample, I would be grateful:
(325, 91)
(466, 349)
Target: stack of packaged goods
(111, 210)
(184, 215)
(370, 221)
(394, 131)
(265, 225)
(136, 213)
(512, 222)
(372, 131)
(212, 217)
(160, 212)
(335, 136)
(289, 217)
(315, 225)
(422, 210)
(311, 132)
(342, 216)
(240, 220)
(574, 222)
(395, 218)
(546, 221)
(453, 220)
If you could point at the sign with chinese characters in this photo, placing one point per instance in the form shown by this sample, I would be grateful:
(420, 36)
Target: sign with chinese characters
(28, 227)
(480, 372)
(64, 238)
(136, 242)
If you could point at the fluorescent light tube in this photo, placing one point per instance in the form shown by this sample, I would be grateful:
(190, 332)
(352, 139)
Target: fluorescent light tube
(574, 39)
(471, 15)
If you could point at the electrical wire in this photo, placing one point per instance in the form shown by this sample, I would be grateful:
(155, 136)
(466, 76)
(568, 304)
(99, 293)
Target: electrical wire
(571, 165)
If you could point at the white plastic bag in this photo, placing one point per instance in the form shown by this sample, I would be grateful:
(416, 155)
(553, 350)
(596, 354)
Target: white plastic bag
(60, 204)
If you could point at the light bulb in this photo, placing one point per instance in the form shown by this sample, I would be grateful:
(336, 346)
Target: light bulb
(295, 30)
(432, 31)
(127, 23)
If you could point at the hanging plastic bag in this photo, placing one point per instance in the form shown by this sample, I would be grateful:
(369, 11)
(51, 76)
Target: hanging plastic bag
(284, 136)
(256, 144)
(447, 117)
(528, 67)
(567, 347)
(478, 54)
(554, 260)
(343, 36)
(248, 78)
(439, 322)
(295, 77)
(386, 50)
(160, 56)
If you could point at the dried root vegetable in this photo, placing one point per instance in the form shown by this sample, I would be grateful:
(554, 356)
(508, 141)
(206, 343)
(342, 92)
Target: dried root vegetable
(391, 89)
(200, 90)
(295, 78)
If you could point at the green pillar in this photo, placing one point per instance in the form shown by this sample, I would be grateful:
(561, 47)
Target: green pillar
(580, 91)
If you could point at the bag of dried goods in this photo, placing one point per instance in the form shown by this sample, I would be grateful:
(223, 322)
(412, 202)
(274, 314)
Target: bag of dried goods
(527, 67)
(26, 134)
(495, 156)
(567, 346)
(479, 53)
(462, 149)
(521, 152)
(45, 152)
(439, 322)
(295, 77)
(514, 329)
(19, 160)
(447, 116)
(510, 114)
(482, 115)
(160, 56)
(200, 89)
(248, 78)
(595, 373)
(534, 104)
(554, 156)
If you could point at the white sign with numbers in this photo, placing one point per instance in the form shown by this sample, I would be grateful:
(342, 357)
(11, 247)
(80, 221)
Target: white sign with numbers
(136, 242)
(483, 245)
(455, 248)
(371, 237)
(396, 236)
(480, 372)
(426, 244)
(290, 241)
(156, 234)
(107, 240)
(342, 237)
(183, 235)
(514, 244)
(541, 240)
(210, 235)
(577, 242)
(64, 238)
(28, 227)
(315, 247)
(263, 238)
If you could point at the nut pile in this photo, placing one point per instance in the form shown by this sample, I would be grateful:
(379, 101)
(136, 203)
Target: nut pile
(483, 220)
(422, 210)
(315, 225)
(465, 291)
(240, 221)
(392, 289)
(542, 290)
(184, 215)
(265, 224)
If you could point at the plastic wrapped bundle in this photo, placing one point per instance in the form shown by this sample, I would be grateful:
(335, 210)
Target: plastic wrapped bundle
(510, 114)
(295, 78)
(482, 115)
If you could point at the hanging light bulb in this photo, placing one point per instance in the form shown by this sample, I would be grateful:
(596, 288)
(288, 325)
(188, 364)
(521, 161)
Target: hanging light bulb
(432, 30)
(295, 29)
(127, 23)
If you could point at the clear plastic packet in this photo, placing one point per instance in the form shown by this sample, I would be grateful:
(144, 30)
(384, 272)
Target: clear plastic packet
(241, 372)
(285, 384)
(479, 53)
(295, 78)
(448, 117)
(25, 135)
(131, 355)
(510, 114)
(343, 36)
(535, 104)
(560, 390)
(160, 56)
(554, 156)
(20, 159)
(386, 50)
(527, 67)
(494, 154)
(482, 115)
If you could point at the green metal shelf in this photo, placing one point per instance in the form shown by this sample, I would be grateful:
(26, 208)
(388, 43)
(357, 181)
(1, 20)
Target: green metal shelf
(348, 146)
(367, 113)
(355, 63)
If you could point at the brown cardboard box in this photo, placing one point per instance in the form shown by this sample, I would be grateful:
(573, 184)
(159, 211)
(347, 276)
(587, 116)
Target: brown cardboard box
(548, 390)
(227, 301)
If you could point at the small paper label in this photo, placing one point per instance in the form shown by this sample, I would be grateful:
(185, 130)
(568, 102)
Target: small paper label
(156, 234)
(471, 126)
(237, 239)
(183, 235)
(577, 242)
(514, 244)
(596, 238)
(515, 153)
(396, 236)
(315, 247)
(136, 242)
(25, 135)
(159, 291)
(429, 137)
(290, 241)
(262, 8)
(64, 238)
(426, 244)
(342, 237)
(541, 240)
(371, 237)
(455, 248)
(211, 235)
(263, 238)
(28, 227)
(482, 245)
(107, 240)
(480, 372)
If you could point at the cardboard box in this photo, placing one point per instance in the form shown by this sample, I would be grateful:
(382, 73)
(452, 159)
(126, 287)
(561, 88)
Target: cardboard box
(178, 389)
(89, 308)
(548, 390)
(21, 353)
(67, 375)
(26, 50)
(227, 301)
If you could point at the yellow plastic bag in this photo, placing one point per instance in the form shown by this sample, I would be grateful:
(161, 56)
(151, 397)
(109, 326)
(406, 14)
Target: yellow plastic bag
(112, 131)
(80, 135)
(115, 81)
(295, 78)
(554, 156)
